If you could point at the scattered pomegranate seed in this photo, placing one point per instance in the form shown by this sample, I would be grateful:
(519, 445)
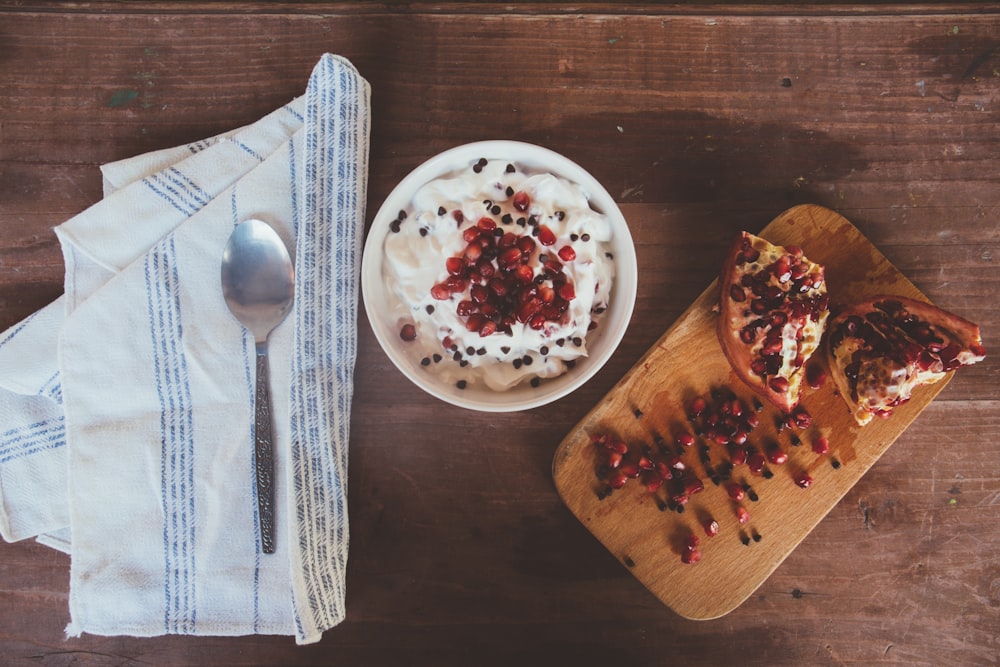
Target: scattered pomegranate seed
(691, 556)
(801, 418)
(734, 491)
(803, 480)
(408, 332)
(742, 515)
(821, 445)
(776, 456)
(546, 236)
(567, 253)
(711, 527)
(521, 201)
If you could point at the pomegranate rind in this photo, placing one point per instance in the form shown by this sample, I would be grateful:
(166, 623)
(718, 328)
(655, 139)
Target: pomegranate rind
(899, 345)
(801, 334)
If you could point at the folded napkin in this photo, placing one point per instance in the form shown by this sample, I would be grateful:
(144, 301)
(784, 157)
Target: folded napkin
(126, 407)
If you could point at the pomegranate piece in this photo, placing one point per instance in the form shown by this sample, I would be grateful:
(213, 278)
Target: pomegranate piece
(773, 308)
(711, 526)
(880, 350)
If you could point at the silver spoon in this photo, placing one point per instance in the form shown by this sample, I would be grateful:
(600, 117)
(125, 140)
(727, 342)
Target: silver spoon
(258, 283)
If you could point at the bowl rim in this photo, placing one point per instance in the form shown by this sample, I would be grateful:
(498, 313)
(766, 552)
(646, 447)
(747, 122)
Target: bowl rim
(608, 336)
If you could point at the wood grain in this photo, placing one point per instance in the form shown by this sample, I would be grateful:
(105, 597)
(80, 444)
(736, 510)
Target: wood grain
(700, 120)
(649, 403)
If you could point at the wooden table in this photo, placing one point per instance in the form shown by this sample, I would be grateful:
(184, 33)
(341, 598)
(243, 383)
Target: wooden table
(701, 120)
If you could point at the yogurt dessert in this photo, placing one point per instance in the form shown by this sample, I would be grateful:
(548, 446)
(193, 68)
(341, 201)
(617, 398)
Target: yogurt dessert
(496, 273)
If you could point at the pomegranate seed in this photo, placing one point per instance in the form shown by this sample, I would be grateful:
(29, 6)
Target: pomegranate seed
(567, 291)
(711, 527)
(509, 257)
(693, 486)
(782, 270)
(738, 456)
(485, 269)
(652, 481)
(475, 321)
(736, 293)
(473, 252)
(742, 515)
(756, 463)
(617, 479)
(480, 293)
(630, 469)
(645, 463)
(440, 292)
(684, 439)
(454, 284)
(821, 445)
(455, 266)
(471, 234)
(614, 459)
(803, 480)
(734, 491)
(522, 201)
(524, 273)
(508, 240)
(776, 456)
(691, 542)
(489, 327)
(546, 236)
(801, 418)
(691, 556)
(486, 224)
(408, 332)
(465, 308)
(696, 407)
(567, 254)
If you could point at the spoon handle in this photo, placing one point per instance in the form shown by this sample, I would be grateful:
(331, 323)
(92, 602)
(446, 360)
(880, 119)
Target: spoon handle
(263, 453)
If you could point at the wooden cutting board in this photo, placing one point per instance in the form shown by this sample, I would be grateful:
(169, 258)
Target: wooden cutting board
(649, 402)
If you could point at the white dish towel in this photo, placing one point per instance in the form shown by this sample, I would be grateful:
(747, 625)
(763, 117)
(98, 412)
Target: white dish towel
(126, 407)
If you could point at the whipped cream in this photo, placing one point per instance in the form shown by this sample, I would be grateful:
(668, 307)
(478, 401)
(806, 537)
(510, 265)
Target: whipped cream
(423, 237)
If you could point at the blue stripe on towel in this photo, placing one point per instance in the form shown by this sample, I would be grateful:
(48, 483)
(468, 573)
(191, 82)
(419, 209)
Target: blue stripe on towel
(24, 441)
(176, 438)
(326, 311)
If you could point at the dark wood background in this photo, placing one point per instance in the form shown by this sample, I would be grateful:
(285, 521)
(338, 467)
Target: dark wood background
(701, 120)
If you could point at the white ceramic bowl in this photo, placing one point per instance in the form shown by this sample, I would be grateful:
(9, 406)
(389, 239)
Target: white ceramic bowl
(601, 342)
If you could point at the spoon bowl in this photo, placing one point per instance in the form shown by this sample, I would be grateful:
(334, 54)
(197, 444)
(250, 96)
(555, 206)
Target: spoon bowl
(258, 284)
